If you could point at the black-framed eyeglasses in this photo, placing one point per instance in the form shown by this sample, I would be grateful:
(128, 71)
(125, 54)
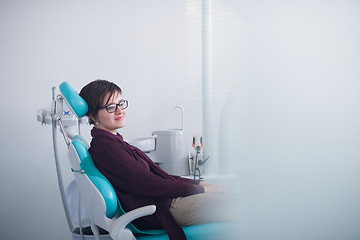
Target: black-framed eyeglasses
(111, 108)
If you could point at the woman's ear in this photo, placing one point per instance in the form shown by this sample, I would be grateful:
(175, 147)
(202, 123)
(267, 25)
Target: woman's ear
(92, 119)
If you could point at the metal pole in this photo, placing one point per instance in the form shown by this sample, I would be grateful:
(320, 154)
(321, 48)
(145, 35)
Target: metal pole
(207, 81)
(57, 164)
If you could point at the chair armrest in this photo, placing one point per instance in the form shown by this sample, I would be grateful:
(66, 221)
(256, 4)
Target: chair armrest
(117, 229)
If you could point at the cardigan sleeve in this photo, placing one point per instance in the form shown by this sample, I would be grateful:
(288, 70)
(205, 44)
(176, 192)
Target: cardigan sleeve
(126, 174)
(189, 180)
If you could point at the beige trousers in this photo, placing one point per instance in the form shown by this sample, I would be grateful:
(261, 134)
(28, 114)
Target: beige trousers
(204, 208)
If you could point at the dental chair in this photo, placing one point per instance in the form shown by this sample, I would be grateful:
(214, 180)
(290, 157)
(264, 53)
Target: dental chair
(107, 218)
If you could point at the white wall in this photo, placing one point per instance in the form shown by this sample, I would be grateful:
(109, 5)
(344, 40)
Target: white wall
(150, 48)
(289, 73)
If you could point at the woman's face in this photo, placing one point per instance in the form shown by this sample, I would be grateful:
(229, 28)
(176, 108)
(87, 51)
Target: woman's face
(111, 122)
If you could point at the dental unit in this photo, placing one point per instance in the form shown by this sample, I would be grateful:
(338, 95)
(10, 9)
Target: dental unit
(167, 148)
(90, 202)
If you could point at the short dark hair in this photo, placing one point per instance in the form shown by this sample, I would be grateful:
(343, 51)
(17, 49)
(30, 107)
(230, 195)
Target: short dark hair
(94, 94)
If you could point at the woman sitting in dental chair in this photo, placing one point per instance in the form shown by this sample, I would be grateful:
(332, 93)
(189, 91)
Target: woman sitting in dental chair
(137, 180)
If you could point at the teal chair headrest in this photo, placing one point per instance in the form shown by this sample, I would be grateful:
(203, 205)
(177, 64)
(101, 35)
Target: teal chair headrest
(77, 104)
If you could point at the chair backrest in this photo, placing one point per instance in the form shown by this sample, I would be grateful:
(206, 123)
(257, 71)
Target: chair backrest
(101, 208)
(96, 191)
(87, 167)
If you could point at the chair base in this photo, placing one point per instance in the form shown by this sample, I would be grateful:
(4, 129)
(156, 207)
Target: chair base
(88, 234)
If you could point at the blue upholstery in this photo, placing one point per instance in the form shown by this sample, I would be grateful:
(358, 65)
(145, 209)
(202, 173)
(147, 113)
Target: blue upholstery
(75, 102)
(81, 139)
(209, 231)
(97, 178)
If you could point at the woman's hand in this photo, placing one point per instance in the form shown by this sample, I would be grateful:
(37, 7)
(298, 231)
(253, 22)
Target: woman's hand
(214, 188)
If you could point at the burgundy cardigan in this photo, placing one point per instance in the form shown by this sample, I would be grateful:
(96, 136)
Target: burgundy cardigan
(138, 181)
